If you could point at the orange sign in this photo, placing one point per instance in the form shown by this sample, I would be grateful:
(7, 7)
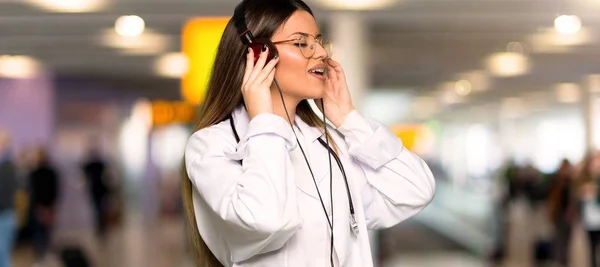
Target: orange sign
(164, 113)
(409, 134)
(200, 41)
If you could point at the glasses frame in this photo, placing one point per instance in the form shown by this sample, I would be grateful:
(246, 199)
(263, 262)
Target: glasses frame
(318, 40)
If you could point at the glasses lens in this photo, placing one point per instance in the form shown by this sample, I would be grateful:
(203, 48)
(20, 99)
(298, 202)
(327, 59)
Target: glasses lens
(309, 45)
(305, 45)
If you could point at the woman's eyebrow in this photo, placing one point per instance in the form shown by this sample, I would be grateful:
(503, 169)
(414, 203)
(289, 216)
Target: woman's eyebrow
(305, 34)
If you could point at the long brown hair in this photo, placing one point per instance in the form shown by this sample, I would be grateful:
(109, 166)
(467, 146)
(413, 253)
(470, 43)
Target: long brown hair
(223, 95)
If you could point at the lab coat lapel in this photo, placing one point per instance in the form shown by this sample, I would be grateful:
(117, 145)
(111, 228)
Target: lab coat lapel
(316, 155)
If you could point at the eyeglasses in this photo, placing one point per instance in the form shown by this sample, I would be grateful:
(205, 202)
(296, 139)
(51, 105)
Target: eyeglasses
(308, 44)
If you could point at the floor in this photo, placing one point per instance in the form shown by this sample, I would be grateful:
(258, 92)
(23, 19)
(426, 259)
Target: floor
(138, 244)
(145, 241)
(411, 244)
(141, 244)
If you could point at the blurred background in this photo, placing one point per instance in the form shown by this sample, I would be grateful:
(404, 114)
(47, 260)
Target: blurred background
(98, 98)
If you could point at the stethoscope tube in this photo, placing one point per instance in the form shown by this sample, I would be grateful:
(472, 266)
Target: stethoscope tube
(330, 150)
(341, 167)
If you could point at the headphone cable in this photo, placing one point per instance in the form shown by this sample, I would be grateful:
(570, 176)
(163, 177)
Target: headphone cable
(330, 222)
(330, 175)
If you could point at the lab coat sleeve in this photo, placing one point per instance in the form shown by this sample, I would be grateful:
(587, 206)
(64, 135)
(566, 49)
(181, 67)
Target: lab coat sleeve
(255, 202)
(398, 184)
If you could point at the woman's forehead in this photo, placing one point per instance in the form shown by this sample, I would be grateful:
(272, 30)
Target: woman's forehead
(299, 22)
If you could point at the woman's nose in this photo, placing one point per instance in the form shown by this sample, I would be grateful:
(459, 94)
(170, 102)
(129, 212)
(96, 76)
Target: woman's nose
(320, 51)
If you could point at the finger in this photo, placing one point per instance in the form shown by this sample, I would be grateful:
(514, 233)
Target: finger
(249, 65)
(259, 64)
(331, 73)
(269, 79)
(336, 66)
(266, 82)
(333, 63)
(271, 65)
(264, 73)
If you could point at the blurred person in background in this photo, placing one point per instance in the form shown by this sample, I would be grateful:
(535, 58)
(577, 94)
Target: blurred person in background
(529, 183)
(24, 164)
(505, 191)
(254, 200)
(95, 170)
(44, 193)
(8, 190)
(589, 177)
(562, 204)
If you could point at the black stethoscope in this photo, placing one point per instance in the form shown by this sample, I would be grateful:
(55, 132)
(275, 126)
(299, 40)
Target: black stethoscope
(353, 224)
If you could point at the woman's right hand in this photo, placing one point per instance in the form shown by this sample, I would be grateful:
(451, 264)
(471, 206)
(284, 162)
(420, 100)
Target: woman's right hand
(256, 86)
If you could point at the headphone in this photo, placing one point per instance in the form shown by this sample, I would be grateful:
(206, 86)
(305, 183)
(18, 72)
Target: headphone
(257, 44)
(248, 38)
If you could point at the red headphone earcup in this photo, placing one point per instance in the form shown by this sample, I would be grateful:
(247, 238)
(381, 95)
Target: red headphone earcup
(257, 50)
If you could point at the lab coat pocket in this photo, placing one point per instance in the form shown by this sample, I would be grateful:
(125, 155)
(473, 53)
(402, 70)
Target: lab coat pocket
(313, 237)
(304, 178)
(306, 186)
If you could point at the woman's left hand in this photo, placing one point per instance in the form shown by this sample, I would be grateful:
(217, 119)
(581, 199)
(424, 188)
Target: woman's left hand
(337, 99)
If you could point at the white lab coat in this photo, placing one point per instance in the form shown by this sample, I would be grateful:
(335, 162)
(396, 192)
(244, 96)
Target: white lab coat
(266, 212)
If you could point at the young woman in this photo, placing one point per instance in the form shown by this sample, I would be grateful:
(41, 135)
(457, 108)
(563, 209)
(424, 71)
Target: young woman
(268, 184)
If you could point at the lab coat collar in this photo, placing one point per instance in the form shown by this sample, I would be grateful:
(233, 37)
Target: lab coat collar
(241, 121)
(311, 134)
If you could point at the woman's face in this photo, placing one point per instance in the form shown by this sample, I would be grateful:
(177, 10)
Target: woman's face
(295, 72)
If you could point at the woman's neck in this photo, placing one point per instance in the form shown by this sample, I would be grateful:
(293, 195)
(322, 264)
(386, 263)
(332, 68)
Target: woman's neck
(280, 110)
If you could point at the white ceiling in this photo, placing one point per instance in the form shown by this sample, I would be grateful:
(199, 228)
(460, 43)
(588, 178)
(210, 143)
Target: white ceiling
(416, 44)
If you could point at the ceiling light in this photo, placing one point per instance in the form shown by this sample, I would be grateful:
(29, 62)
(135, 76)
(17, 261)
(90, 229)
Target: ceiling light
(148, 43)
(462, 87)
(479, 79)
(593, 83)
(551, 41)
(567, 24)
(172, 65)
(130, 26)
(516, 47)
(356, 4)
(568, 93)
(69, 6)
(18, 67)
(508, 64)
(448, 95)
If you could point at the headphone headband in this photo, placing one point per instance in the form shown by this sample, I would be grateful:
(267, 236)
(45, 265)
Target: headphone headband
(239, 17)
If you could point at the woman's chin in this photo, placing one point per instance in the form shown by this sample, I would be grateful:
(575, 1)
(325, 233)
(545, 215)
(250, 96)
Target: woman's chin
(315, 97)
(316, 93)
